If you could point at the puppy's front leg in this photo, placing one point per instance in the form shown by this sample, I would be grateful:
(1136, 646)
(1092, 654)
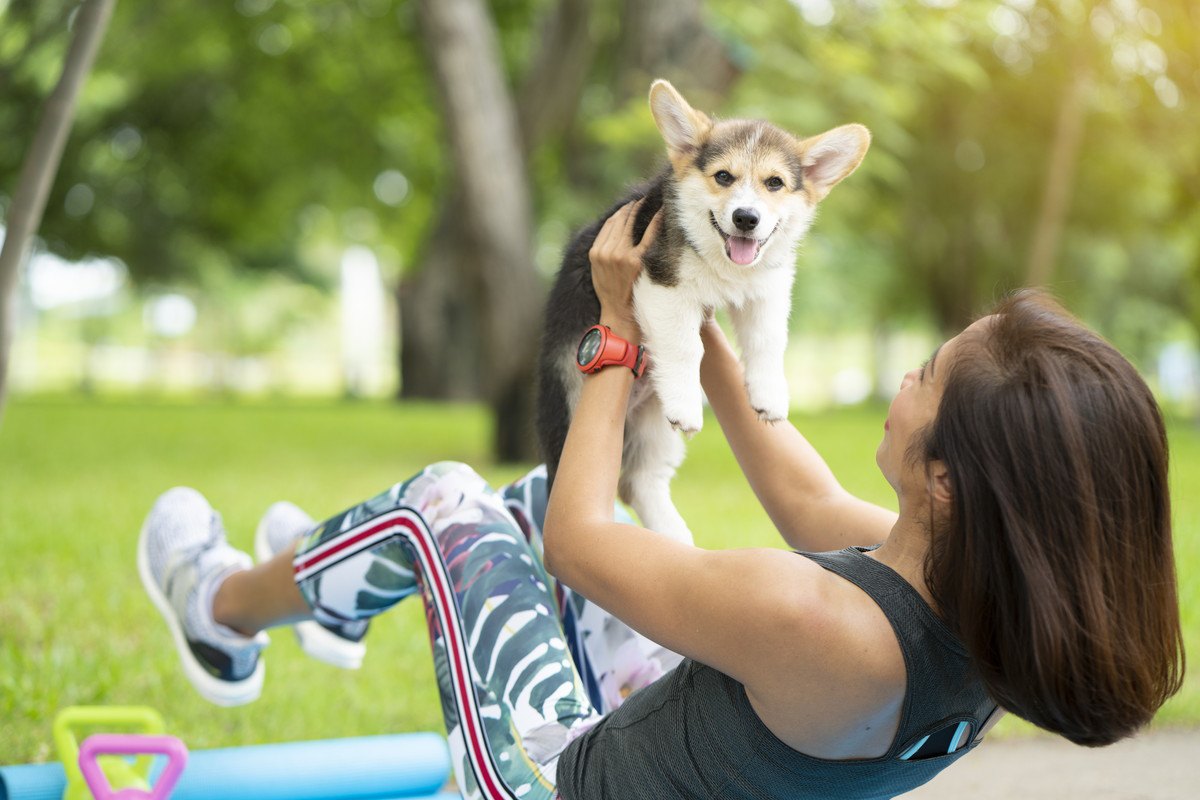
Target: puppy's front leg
(670, 322)
(761, 325)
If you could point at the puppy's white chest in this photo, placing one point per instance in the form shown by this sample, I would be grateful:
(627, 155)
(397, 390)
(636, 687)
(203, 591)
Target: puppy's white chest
(722, 285)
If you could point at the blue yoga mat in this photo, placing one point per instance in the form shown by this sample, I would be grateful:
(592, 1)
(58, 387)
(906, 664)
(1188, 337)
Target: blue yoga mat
(411, 765)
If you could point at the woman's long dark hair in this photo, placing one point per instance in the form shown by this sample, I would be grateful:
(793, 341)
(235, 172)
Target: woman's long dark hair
(1055, 565)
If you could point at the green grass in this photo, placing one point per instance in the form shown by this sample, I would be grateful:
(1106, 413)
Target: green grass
(76, 479)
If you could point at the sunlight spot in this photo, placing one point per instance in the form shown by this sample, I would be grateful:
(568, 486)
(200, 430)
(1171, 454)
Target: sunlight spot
(1167, 91)
(79, 200)
(391, 187)
(815, 12)
(275, 40)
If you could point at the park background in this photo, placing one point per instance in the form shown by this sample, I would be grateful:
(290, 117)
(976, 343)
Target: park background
(298, 249)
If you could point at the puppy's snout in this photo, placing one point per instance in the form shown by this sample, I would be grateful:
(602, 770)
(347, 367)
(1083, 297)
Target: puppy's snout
(746, 219)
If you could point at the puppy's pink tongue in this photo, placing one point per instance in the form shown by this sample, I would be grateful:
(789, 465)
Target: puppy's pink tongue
(742, 250)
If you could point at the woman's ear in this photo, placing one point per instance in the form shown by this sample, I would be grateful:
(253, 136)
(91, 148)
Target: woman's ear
(939, 483)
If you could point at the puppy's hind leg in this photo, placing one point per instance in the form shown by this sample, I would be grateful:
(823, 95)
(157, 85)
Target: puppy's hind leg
(653, 451)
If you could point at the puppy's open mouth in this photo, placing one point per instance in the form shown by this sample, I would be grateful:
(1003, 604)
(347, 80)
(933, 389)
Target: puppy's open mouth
(741, 250)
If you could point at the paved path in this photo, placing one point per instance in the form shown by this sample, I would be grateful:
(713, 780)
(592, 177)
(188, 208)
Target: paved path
(1160, 765)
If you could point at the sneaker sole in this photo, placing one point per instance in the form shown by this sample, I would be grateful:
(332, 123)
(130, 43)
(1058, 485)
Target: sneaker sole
(212, 689)
(314, 639)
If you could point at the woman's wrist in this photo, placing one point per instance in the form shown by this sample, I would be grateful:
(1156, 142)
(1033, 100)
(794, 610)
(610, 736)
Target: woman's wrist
(623, 326)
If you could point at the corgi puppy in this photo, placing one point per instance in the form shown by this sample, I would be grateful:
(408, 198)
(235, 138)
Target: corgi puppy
(736, 200)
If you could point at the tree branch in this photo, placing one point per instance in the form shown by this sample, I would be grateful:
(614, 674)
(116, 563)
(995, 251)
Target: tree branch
(41, 165)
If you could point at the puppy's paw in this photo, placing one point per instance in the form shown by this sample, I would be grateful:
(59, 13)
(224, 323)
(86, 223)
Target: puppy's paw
(683, 409)
(681, 534)
(769, 397)
(687, 424)
(665, 519)
(687, 421)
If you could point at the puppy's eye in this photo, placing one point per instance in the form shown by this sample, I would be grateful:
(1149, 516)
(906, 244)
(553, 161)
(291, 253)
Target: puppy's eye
(774, 183)
(724, 178)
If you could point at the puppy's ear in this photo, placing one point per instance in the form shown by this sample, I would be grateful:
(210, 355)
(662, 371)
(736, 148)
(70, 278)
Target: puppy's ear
(682, 127)
(831, 156)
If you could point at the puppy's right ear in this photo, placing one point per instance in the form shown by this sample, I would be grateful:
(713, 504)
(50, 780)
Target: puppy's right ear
(682, 127)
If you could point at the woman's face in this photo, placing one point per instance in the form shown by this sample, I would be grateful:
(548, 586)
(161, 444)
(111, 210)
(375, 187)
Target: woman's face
(913, 408)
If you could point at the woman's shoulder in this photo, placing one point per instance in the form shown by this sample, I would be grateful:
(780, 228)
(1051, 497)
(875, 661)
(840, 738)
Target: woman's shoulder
(827, 624)
(834, 679)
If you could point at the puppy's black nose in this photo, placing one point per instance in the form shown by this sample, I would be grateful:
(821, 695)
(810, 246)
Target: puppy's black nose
(746, 219)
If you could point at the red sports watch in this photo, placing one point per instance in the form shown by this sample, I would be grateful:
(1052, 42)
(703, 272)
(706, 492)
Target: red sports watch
(600, 347)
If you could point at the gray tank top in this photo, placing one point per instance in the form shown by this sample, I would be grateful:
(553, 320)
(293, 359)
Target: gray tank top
(693, 734)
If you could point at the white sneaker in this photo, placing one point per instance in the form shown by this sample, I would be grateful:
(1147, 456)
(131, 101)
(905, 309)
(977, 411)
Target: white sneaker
(182, 560)
(338, 644)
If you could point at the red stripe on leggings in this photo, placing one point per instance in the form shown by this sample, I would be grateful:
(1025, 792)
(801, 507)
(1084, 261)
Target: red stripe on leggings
(474, 735)
(445, 604)
(349, 541)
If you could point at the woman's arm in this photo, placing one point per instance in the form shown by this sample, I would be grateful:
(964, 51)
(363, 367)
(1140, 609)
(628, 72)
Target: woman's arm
(794, 484)
(690, 600)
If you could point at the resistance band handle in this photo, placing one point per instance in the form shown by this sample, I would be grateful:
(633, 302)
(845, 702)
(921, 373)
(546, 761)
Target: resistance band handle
(129, 744)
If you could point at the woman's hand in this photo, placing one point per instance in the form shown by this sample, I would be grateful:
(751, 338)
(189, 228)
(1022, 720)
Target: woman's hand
(616, 264)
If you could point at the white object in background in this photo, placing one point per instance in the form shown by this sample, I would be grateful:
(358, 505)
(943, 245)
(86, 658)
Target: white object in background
(170, 315)
(1179, 372)
(363, 334)
(55, 282)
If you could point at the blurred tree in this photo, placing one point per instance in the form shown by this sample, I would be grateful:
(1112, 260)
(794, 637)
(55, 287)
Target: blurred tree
(261, 135)
(476, 300)
(253, 133)
(40, 166)
(1010, 140)
(1180, 216)
(470, 311)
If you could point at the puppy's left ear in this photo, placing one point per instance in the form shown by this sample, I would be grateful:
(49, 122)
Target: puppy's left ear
(831, 156)
(683, 128)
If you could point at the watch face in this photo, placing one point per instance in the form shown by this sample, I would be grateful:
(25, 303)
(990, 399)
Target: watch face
(588, 348)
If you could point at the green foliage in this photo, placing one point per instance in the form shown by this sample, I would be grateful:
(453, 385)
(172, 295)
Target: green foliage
(242, 135)
(249, 135)
(76, 480)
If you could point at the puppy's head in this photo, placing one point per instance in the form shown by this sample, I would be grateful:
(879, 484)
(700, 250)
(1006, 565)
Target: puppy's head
(745, 183)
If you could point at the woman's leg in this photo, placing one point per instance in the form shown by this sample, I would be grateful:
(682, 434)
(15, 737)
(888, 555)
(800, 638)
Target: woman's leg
(510, 692)
(613, 659)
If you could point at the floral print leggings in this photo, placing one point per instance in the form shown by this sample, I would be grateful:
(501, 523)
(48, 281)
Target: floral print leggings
(523, 665)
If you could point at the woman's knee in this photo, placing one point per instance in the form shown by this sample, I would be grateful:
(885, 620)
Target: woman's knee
(460, 478)
(455, 469)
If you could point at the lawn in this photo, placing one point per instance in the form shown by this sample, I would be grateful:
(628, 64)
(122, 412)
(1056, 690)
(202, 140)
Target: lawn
(77, 477)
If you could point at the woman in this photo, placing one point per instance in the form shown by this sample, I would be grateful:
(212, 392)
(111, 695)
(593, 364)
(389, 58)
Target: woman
(1029, 568)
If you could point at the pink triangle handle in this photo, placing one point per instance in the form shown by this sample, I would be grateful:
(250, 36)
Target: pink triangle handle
(128, 744)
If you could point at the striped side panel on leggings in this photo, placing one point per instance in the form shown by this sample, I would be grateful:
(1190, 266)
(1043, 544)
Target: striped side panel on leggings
(409, 525)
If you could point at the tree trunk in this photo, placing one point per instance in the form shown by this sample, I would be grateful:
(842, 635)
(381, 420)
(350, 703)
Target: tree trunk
(1060, 176)
(550, 93)
(40, 167)
(441, 344)
(475, 288)
(670, 39)
(441, 353)
(478, 274)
